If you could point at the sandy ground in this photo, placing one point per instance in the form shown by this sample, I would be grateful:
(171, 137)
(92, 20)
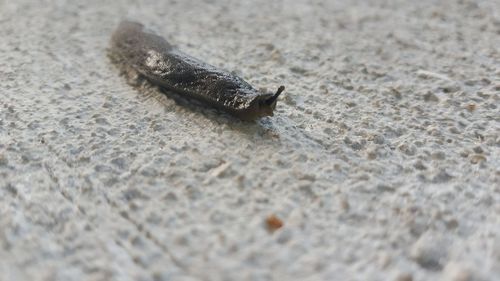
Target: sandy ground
(382, 161)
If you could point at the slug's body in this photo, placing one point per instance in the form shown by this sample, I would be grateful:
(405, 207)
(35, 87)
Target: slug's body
(159, 62)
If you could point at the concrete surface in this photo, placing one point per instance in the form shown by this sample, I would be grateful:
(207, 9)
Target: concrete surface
(382, 161)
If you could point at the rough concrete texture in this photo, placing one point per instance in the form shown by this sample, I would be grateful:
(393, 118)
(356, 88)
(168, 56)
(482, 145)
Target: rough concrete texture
(382, 161)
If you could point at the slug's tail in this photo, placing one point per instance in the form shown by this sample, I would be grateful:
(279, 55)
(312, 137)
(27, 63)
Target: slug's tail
(273, 99)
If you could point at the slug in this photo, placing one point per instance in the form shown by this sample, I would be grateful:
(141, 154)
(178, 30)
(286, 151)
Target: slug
(153, 58)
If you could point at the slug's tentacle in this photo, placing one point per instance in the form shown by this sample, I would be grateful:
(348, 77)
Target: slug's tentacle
(274, 98)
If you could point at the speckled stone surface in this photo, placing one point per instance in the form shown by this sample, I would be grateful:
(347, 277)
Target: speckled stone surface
(382, 162)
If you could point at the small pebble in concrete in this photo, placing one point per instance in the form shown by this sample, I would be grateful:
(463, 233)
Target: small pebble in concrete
(273, 223)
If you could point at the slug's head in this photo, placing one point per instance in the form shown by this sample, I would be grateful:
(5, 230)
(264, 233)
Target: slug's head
(263, 106)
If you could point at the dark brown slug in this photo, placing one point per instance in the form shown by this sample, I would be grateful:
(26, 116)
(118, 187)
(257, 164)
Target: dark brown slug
(162, 64)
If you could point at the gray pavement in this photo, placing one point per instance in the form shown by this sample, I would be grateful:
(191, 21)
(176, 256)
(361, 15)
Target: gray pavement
(382, 160)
